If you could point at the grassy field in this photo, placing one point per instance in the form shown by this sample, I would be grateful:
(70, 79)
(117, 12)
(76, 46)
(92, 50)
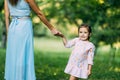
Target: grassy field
(51, 58)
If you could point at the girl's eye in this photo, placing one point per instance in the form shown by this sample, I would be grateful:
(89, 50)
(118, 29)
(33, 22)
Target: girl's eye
(83, 32)
(80, 32)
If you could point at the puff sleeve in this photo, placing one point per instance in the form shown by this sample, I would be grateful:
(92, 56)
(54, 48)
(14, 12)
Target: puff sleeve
(91, 54)
(71, 43)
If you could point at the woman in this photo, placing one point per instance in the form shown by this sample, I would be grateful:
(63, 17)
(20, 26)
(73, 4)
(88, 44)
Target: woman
(19, 55)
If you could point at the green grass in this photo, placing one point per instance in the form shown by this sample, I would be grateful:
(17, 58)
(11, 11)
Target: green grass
(51, 58)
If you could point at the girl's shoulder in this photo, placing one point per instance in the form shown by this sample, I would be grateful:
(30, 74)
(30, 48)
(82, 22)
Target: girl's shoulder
(75, 39)
(91, 45)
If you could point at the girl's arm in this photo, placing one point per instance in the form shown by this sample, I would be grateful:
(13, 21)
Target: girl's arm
(90, 58)
(64, 40)
(89, 69)
(6, 14)
(39, 13)
(70, 43)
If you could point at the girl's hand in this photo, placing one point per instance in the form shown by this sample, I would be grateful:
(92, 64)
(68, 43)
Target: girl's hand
(89, 72)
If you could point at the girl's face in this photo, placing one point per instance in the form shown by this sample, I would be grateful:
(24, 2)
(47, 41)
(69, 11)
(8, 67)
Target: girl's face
(84, 34)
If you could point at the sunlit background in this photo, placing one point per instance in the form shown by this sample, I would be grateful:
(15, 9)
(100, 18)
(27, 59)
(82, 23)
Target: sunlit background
(66, 15)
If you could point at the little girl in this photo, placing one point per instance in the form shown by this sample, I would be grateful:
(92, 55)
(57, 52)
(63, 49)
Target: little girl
(81, 60)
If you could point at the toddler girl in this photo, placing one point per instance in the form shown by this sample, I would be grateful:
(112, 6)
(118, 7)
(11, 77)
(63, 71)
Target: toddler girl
(81, 59)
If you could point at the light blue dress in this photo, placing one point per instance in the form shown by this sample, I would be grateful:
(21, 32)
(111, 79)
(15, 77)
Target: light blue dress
(20, 55)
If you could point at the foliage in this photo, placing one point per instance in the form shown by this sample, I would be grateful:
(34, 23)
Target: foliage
(102, 15)
(2, 25)
(1, 4)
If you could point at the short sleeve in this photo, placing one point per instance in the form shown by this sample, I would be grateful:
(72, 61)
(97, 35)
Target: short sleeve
(71, 43)
(91, 54)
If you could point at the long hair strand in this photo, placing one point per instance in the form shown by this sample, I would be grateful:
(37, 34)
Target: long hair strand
(13, 2)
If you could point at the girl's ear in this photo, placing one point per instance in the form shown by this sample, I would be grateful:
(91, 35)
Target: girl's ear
(90, 34)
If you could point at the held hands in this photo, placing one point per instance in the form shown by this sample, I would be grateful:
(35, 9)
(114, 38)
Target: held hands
(56, 32)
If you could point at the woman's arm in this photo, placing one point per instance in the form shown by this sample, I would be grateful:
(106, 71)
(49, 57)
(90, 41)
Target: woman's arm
(39, 13)
(6, 14)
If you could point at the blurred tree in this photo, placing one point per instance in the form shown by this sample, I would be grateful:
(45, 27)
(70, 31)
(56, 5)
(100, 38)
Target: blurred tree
(2, 26)
(102, 15)
(1, 4)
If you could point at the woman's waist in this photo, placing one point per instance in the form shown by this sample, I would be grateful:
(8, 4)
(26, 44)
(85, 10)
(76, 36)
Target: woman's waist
(20, 17)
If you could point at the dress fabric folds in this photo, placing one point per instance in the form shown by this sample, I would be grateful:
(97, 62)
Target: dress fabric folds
(20, 51)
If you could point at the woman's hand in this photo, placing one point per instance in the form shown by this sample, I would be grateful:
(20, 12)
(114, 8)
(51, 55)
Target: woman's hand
(56, 32)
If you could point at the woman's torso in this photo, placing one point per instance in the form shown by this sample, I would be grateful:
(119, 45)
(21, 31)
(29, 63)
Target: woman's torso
(21, 9)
